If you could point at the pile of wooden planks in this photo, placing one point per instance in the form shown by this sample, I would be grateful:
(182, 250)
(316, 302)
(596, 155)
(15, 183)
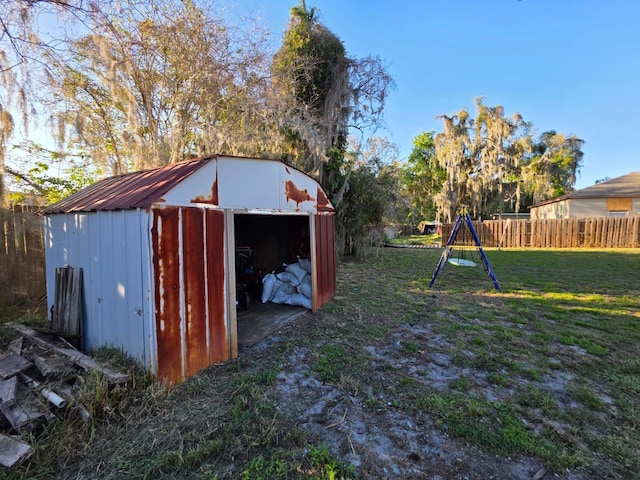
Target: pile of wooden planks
(38, 373)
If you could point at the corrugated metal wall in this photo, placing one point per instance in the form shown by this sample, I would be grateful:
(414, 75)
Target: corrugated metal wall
(325, 268)
(189, 288)
(112, 248)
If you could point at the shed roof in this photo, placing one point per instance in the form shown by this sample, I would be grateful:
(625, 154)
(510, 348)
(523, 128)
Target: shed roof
(625, 186)
(168, 184)
(131, 190)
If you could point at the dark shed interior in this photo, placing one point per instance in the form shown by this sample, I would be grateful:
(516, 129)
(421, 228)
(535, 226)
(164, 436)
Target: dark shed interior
(264, 244)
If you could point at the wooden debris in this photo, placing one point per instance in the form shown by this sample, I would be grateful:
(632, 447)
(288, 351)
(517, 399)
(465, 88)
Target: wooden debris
(540, 473)
(23, 416)
(67, 312)
(12, 364)
(8, 390)
(52, 365)
(15, 346)
(13, 451)
(77, 357)
(50, 370)
(88, 363)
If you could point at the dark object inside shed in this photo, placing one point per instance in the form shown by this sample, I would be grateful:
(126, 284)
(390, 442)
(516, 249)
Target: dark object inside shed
(264, 244)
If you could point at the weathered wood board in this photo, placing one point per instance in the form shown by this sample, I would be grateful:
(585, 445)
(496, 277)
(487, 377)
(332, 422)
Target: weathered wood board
(13, 451)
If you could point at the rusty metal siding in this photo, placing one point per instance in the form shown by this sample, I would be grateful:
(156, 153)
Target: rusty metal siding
(189, 279)
(193, 254)
(325, 267)
(166, 276)
(219, 348)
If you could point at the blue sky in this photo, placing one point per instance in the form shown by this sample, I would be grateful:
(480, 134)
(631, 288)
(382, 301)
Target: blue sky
(567, 65)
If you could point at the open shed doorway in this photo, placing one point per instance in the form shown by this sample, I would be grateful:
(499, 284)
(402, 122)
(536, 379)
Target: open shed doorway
(265, 243)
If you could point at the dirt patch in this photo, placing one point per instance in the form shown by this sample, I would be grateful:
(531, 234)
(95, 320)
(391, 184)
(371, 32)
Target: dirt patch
(383, 441)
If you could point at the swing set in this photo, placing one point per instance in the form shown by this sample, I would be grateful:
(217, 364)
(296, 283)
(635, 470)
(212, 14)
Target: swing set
(460, 260)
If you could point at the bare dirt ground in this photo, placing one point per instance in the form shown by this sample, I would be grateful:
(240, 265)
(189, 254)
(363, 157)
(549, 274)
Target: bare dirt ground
(385, 443)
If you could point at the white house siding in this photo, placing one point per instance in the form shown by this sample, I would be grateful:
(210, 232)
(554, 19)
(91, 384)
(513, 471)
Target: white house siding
(118, 308)
(550, 210)
(587, 208)
(578, 208)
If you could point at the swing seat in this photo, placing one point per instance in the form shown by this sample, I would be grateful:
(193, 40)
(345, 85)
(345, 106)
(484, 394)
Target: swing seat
(461, 262)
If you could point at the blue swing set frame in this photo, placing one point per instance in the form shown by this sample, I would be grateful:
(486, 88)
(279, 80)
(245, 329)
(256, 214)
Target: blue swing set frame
(463, 218)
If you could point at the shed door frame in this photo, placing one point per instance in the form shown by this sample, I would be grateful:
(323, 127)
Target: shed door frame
(321, 242)
(231, 265)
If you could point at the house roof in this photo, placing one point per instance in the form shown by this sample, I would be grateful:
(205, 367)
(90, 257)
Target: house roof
(626, 186)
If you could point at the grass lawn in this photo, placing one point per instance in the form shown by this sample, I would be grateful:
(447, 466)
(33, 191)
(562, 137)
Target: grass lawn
(393, 379)
(432, 239)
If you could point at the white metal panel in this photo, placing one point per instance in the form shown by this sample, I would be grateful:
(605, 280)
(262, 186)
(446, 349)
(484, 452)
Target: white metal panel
(93, 283)
(148, 300)
(196, 188)
(108, 246)
(248, 183)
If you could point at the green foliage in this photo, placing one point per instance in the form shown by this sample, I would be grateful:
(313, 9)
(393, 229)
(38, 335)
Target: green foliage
(321, 94)
(53, 188)
(374, 195)
(561, 156)
(327, 467)
(309, 59)
(310, 74)
(261, 468)
(423, 177)
(490, 164)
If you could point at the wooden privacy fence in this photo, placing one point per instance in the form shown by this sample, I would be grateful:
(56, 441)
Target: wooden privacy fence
(604, 232)
(22, 275)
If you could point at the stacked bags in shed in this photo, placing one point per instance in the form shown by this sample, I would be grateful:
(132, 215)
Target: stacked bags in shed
(293, 286)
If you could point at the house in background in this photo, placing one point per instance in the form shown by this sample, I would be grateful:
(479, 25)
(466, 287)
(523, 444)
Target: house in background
(619, 197)
(158, 249)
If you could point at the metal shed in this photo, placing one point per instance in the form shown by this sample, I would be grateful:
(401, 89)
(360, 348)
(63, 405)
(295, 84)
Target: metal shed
(158, 253)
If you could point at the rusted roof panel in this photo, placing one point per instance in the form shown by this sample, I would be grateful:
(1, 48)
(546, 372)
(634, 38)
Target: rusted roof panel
(131, 190)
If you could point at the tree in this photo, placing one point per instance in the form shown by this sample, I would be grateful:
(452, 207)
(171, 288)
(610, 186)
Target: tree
(490, 163)
(22, 52)
(478, 155)
(560, 157)
(312, 92)
(49, 177)
(374, 197)
(158, 83)
(143, 84)
(423, 178)
(6, 129)
(319, 94)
